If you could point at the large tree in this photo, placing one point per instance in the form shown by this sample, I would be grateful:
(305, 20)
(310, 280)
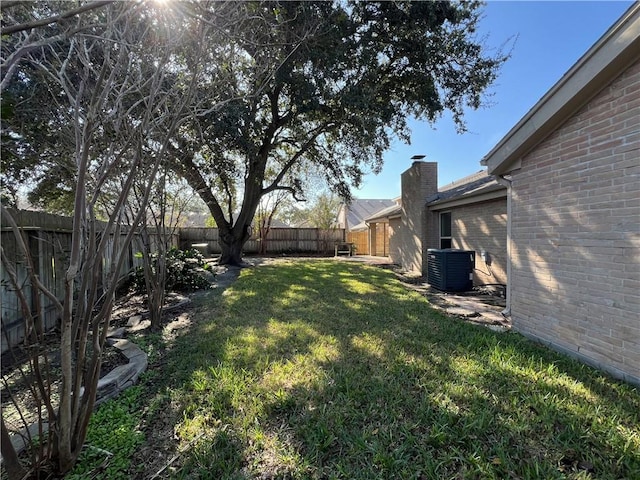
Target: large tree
(327, 83)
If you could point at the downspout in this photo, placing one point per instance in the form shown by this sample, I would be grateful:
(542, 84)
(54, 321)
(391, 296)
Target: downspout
(502, 180)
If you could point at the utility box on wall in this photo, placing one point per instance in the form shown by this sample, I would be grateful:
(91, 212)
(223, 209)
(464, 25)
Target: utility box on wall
(450, 270)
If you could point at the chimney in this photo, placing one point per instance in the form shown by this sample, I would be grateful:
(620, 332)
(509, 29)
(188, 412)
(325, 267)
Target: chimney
(419, 182)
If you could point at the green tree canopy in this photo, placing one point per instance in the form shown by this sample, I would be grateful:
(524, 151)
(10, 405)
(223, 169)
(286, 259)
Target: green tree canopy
(331, 84)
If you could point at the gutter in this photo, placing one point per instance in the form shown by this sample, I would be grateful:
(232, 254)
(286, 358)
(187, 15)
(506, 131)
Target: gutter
(502, 180)
(492, 193)
(368, 235)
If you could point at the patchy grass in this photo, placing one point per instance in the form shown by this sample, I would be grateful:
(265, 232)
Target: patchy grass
(323, 369)
(112, 438)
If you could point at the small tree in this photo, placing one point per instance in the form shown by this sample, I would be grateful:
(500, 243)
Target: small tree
(112, 82)
(159, 226)
(323, 212)
(267, 211)
(155, 235)
(323, 215)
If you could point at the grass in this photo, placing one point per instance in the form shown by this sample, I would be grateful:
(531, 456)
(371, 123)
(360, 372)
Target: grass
(323, 369)
(112, 438)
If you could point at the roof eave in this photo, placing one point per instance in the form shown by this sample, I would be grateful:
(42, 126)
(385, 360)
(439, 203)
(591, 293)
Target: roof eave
(382, 216)
(485, 195)
(616, 50)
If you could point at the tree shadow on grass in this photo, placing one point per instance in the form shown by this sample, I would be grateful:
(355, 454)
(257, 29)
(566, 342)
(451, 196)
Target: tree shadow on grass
(325, 370)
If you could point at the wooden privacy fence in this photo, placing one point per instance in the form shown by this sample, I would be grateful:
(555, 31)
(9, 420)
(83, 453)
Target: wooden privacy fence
(376, 237)
(48, 239)
(278, 240)
(361, 241)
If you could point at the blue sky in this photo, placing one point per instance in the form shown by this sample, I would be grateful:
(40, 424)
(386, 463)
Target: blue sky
(551, 37)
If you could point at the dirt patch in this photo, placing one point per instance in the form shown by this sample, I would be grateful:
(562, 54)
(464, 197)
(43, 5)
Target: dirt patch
(19, 404)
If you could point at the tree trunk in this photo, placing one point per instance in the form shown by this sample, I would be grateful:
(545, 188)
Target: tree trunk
(15, 470)
(232, 241)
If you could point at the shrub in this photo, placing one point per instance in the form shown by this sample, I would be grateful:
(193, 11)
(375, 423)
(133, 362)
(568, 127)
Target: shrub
(185, 271)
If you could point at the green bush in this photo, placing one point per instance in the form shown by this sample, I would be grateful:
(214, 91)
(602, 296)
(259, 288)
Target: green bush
(185, 271)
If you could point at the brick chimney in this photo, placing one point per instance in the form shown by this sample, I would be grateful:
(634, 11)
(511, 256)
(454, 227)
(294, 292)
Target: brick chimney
(419, 182)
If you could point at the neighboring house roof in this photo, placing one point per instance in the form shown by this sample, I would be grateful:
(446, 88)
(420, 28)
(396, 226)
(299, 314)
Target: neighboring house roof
(616, 50)
(275, 223)
(360, 209)
(303, 224)
(477, 187)
(385, 213)
(195, 219)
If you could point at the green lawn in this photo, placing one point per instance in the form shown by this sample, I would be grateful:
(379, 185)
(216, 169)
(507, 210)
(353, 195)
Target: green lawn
(324, 369)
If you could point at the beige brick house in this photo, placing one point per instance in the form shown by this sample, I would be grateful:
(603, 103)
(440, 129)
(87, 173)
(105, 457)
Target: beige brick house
(469, 214)
(573, 169)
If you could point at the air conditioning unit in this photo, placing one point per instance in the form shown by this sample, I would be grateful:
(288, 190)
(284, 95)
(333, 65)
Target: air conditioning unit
(450, 270)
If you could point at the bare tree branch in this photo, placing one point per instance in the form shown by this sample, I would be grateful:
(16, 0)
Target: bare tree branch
(10, 30)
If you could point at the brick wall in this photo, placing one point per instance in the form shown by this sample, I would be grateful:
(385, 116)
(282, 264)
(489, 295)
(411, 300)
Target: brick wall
(576, 233)
(483, 226)
(418, 182)
(431, 221)
(394, 239)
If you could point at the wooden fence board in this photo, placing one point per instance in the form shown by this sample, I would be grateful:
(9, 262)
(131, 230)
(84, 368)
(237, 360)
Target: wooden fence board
(360, 240)
(48, 238)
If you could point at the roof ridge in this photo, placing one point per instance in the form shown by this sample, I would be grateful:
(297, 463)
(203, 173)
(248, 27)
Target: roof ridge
(371, 199)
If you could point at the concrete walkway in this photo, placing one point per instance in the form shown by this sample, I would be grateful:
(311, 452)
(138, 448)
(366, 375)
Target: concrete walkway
(479, 308)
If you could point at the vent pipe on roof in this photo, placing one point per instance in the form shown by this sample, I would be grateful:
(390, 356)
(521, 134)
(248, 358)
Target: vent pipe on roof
(417, 158)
